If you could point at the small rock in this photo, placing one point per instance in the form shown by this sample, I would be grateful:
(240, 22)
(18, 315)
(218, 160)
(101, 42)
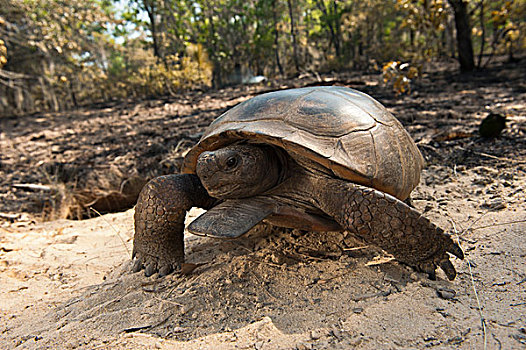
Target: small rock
(336, 332)
(259, 345)
(357, 310)
(178, 330)
(446, 293)
(492, 125)
(276, 258)
(455, 340)
(304, 346)
(232, 338)
(496, 204)
(316, 334)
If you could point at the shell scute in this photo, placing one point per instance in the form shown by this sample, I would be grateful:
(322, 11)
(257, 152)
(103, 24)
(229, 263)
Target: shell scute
(323, 113)
(356, 148)
(373, 107)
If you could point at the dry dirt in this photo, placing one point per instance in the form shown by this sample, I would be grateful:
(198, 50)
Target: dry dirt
(65, 283)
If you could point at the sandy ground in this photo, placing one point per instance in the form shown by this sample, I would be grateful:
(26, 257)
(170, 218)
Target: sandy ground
(66, 284)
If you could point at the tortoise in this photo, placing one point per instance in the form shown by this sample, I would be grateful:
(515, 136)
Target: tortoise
(319, 158)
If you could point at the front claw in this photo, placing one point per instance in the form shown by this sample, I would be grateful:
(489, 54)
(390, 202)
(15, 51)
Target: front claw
(152, 265)
(429, 267)
(448, 268)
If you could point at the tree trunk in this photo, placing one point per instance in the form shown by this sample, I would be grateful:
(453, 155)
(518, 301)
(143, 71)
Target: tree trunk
(19, 100)
(334, 29)
(450, 39)
(217, 80)
(29, 101)
(483, 37)
(293, 36)
(72, 94)
(48, 92)
(337, 28)
(276, 37)
(150, 10)
(464, 44)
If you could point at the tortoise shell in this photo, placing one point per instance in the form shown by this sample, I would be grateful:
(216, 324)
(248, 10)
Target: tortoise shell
(348, 132)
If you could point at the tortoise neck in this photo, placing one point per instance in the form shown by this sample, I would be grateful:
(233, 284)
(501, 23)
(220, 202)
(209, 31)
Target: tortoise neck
(300, 179)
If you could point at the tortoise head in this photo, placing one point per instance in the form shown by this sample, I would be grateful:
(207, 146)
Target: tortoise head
(240, 170)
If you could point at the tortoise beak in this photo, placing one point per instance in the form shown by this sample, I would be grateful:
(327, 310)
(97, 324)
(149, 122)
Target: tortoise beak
(207, 165)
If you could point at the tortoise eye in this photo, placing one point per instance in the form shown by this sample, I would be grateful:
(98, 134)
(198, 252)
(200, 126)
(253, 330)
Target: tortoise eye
(231, 162)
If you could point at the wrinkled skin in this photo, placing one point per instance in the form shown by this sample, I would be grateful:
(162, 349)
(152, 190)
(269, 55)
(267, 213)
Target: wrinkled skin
(253, 182)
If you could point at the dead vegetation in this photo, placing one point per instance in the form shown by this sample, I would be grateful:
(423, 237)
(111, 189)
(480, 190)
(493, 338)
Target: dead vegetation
(100, 158)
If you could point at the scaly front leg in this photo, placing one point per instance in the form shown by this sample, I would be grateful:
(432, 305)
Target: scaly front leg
(387, 222)
(158, 244)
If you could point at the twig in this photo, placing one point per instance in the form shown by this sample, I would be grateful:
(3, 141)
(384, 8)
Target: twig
(168, 301)
(471, 224)
(504, 159)
(114, 229)
(33, 187)
(306, 256)
(106, 345)
(265, 263)
(499, 224)
(381, 260)
(97, 287)
(482, 319)
(355, 248)
(366, 296)
(180, 295)
(9, 216)
(325, 280)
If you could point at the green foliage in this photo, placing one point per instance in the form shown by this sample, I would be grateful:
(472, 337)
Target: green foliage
(155, 78)
(506, 22)
(425, 22)
(57, 54)
(399, 75)
(54, 57)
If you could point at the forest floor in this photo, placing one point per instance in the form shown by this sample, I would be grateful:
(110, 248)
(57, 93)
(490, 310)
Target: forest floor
(66, 283)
